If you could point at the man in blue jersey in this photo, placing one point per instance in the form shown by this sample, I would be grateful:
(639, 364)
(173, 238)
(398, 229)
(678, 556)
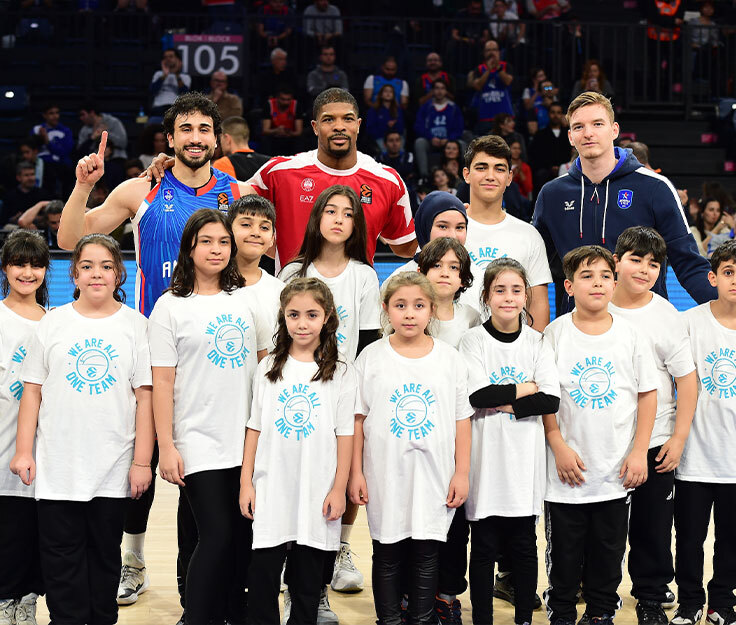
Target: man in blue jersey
(192, 125)
(606, 191)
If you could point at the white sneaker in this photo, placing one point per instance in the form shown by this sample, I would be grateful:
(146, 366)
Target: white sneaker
(133, 579)
(287, 607)
(345, 577)
(7, 611)
(25, 610)
(325, 615)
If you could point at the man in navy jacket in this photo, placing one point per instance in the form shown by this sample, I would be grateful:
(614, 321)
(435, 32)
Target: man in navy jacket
(606, 191)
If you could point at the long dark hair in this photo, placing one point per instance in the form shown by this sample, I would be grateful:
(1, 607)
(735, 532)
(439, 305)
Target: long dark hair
(326, 355)
(393, 108)
(182, 279)
(111, 245)
(313, 239)
(699, 220)
(22, 247)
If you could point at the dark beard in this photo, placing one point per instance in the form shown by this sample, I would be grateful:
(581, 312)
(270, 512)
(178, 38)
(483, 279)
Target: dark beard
(192, 164)
(339, 153)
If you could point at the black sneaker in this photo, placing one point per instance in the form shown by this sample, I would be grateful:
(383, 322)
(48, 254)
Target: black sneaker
(650, 613)
(669, 600)
(601, 620)
(448, 613)
(719, 616)
(584, 619)
(503, 589)
(687, 615)
(562, 621)
(181, 620)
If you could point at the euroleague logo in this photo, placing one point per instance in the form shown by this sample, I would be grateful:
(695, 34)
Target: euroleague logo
(721, 364)
(223, 202)
(366, 194)
(91, 366)
(594, 383)
(228, 341)
(296, 408)
(413, 411)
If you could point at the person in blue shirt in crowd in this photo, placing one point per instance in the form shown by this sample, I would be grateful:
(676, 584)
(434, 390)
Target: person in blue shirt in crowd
(490, 80)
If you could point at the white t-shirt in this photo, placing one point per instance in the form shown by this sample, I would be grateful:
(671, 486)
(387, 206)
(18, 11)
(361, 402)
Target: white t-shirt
(662, 325)
(452, 330)
(601, 377)
(410, 266)
(212, 341)
(88, 369)
(16, 333)
(299, 421)
(507, 458)
(709, 450)
(266, 294)
(511, 238)
(357, 301)
(411, 405)
(169, 90)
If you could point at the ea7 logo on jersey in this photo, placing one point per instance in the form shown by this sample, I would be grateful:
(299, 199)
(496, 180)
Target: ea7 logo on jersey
(569, 206)
(366, 194)
(307, 185)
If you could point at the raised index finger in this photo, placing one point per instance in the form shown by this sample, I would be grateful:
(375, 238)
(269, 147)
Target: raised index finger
(103, 145)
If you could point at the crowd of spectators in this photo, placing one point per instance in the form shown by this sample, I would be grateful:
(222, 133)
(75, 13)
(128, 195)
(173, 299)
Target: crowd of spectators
(417, 120)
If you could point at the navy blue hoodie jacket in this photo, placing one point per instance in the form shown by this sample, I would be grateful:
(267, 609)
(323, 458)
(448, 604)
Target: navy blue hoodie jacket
(572, 211)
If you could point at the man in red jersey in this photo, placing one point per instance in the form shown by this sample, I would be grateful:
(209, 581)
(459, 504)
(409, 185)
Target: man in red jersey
(293, 183)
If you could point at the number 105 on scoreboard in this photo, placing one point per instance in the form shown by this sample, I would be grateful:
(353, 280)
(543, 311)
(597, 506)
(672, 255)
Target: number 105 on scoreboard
(203, 54)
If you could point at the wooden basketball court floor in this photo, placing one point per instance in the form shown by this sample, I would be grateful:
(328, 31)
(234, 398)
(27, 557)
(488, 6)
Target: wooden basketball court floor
(160, 604)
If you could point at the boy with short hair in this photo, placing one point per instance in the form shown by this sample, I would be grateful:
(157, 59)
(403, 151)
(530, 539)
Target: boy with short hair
(597, 443)
(640, 254)
(253, 220)
(706, 476)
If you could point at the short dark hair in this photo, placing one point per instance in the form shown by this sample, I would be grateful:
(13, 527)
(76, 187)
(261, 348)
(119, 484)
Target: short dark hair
(176, 52)
(640, 241)
(722, 254)
(31, 142)
(252, 205)
(192, 102)
(641, 151)
(134, 162)
(331, 96)
(48, 106)
(440, 80)
(391, 132)
(558, 105)
(90, 107)
(433, 252)
(54, 207)
(584, 255)
(493, 145)
(22, 166)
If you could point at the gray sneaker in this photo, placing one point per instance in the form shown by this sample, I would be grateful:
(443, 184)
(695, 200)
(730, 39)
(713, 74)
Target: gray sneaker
(25, 610)
(325, 615)
(7, 611)
(133, 579)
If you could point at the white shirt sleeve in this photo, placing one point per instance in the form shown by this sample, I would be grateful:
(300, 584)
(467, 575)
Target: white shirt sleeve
(463, 409)
(142, 368)
(362, 404)
(404, 89)
(546, 376)
(644, 367)
(161, 336)
(346, 403)
(470, 348)
(370, 303)
(35, 367)
(260, 386)
(538, 269)
(368, 84)
(679, 357)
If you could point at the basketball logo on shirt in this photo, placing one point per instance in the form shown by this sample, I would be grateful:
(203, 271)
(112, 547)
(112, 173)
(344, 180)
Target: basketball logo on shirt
(594, 379)
(91, 364)
(508, 375)
(721, 382)
(413, 412)
(228, 349)
(342, 316)
(16, 388)
(484, 255)
(366, 194)
(296, 409)
(223, 202)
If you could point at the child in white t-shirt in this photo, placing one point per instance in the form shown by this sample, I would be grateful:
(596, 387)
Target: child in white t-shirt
(640, 254)
(333, 250)
(412, 448)
(206, 337)
(253, 220)
(25, 260)
(705, 480)
(446, 264)
(87, 404)
(597, 445)
(513, 381)
(297, 455)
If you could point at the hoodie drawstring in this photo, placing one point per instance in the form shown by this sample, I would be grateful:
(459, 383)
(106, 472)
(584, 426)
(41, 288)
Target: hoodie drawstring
(594, 195)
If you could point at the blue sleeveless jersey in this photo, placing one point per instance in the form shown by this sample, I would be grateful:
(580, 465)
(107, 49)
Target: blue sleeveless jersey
(158, 226)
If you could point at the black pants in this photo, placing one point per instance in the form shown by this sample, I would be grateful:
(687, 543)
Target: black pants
(590, 532)
(304, 579)
(420, 558)
(693, 504)
(328, 568)
(215, 584)
(453, 557)
(650, 534)
(186, 539)
(20, 572)
(519, 537)
(80, 559)
(136, 517)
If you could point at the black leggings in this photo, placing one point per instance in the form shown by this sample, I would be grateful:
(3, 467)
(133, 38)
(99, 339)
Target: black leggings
(215, 585)
(419, 558)
(20, 573)
(136, 516)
